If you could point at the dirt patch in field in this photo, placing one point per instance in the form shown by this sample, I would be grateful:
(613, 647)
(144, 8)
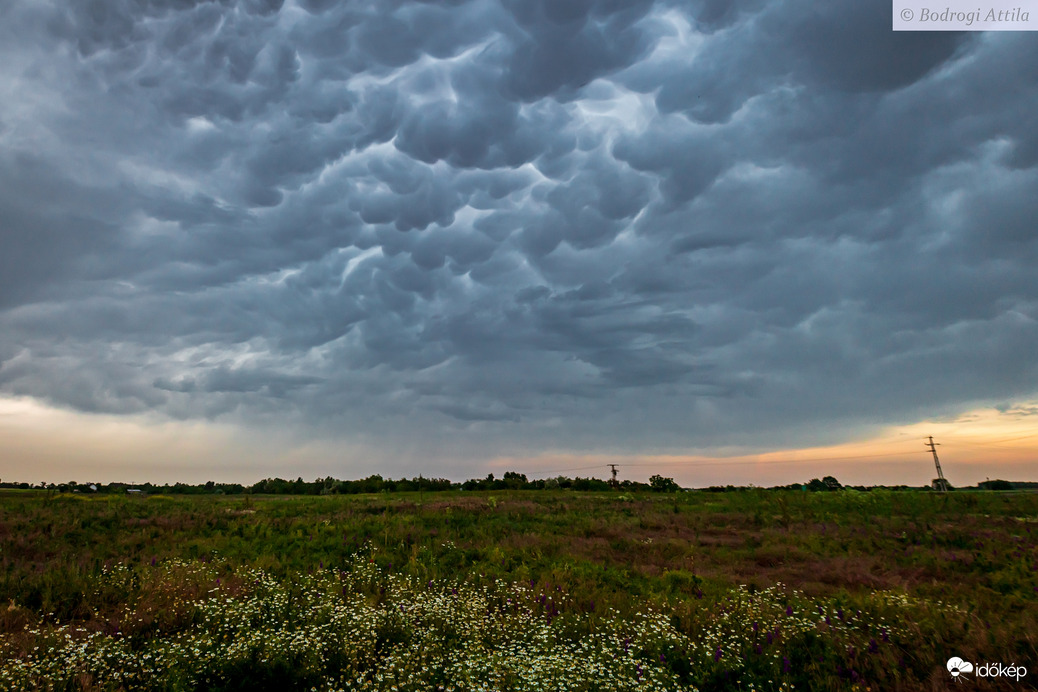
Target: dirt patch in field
(813, 575)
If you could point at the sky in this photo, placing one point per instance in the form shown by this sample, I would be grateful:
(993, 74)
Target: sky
(730, 242)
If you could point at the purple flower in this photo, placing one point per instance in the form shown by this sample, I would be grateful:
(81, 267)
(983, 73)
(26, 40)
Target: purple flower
(873, 646)
(785, 665)
(789, 610)
(717, 654)
(770, 637)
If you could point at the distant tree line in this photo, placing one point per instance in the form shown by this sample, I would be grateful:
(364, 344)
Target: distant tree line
(510, 481)
(372, 484)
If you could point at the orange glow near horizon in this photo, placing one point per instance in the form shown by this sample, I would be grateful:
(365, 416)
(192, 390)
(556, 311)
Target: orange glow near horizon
(974, 446)
(38, 442)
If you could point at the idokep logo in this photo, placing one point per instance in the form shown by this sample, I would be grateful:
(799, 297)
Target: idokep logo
(960, 669)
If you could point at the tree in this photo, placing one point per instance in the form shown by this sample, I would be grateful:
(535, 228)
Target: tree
(515, 480)
(659, 484)
(831, 483)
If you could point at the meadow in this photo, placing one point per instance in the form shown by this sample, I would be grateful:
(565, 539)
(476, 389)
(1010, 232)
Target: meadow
(516, 590)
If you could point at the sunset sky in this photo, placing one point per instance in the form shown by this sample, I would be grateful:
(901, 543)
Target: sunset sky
(730, 242)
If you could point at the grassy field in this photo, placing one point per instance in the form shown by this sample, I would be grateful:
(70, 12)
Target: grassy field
(524, 590)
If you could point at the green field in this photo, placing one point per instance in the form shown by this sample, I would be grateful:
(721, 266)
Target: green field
(523, 590)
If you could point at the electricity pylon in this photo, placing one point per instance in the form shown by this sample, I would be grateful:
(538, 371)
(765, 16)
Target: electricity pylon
(939, 483)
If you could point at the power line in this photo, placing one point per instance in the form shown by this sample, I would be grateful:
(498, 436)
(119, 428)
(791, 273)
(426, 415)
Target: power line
(728, 463)
(775, 461)
(992, 443)
(579, 468)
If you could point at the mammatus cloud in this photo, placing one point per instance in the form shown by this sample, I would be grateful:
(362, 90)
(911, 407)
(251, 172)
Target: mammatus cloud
(500, 227)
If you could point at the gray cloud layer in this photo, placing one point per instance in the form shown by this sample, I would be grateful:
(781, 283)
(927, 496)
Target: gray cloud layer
(514, 226)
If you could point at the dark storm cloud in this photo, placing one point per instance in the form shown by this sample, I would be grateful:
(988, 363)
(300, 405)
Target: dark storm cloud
(511, 226)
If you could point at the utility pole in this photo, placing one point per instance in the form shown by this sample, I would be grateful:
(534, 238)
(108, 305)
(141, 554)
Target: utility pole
(939, 483)
(613, 482)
